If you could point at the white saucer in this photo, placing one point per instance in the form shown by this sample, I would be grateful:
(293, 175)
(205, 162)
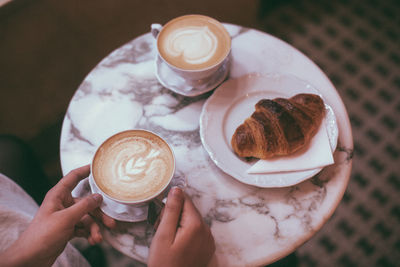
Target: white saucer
(232, 103)
(120, 211)
(169, 79)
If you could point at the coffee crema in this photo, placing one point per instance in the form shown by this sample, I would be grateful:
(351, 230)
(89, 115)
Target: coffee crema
(133, 166)
(193, 42)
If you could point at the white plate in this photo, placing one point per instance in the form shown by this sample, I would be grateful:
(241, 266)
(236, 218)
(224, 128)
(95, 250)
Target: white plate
(232, 103)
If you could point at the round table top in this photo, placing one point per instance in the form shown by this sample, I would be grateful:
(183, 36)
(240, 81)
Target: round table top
(251, 225)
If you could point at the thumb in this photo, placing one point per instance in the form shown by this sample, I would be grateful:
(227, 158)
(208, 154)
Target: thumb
(83, 206)
(171, 215)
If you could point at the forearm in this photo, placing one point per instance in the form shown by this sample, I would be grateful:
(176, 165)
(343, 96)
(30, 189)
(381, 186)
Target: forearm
(12, 257)
(23, 253)
(55, 224)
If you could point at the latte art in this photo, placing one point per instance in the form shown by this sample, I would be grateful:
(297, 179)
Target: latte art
(133, 167)
(193, 44)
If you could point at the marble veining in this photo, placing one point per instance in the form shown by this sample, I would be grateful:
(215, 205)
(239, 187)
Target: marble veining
(252, 226)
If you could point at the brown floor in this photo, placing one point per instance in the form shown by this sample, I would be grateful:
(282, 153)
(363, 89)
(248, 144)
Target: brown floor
(48, 47)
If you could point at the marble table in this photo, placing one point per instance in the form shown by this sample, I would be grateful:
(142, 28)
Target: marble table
(252, 226)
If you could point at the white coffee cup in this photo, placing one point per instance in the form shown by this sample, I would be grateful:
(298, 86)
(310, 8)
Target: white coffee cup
(130, 169)
(193, 53)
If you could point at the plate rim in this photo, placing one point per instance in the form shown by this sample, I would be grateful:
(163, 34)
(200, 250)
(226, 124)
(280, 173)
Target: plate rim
(304, 174)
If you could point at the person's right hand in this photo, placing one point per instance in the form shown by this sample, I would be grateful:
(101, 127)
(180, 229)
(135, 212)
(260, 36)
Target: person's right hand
(182, 238)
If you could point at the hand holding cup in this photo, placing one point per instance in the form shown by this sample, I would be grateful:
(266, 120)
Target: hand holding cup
(60, 218)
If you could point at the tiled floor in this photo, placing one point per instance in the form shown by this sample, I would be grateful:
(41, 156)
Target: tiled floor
(355, 42)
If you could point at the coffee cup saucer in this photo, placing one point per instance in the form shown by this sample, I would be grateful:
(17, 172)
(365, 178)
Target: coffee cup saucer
(169, 79)
(125, 213)
(120, 211)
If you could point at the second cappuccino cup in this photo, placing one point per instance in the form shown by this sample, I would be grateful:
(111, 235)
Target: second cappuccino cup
(130, 169)
(192, 53)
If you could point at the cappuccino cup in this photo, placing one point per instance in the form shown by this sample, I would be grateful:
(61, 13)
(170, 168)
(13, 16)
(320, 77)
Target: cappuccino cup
(130, 169)
(193, 53)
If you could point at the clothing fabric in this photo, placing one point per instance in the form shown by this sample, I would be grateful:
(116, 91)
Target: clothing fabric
(17, 210)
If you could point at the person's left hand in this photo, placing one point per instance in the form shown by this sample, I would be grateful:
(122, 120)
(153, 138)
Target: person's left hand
(60, 218)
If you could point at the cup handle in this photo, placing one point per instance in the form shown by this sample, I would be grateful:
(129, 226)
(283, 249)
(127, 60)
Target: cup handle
(155, 29)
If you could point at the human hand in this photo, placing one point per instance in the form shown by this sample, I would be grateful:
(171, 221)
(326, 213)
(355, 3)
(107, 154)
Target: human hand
(59, 218)
(182, 238)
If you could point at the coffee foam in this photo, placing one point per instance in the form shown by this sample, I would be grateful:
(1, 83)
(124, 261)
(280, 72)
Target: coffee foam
(133, 166)
(194, 42)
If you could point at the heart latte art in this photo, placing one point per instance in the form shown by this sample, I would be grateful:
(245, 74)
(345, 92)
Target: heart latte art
(193, 42)
(133, 166)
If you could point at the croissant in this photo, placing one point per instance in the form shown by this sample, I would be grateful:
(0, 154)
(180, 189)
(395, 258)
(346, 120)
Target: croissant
(279, 127)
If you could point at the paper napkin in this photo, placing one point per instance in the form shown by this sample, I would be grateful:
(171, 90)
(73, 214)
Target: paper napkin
(317, 155)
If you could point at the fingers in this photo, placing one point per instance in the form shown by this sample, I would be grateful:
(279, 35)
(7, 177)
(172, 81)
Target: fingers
(88, 228)
(171, 216)
(82, 207)
(191, 221)
(95, 236)
(61, 192)
(190, 210)
(71, 180)
(82, 228)
(105, 219)
(99, 215)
